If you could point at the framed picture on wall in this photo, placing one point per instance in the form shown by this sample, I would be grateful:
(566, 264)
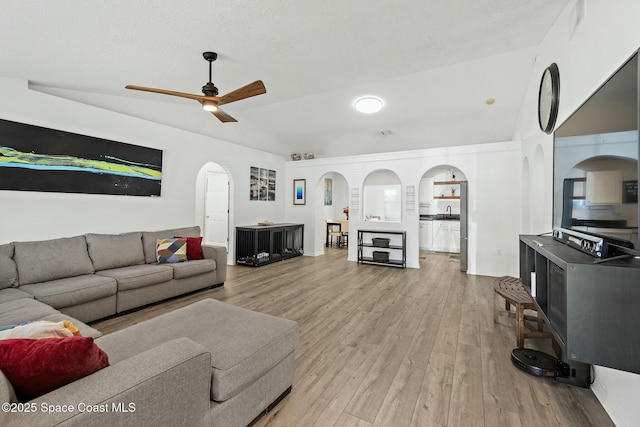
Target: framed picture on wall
(254, 183)
(328, 192)
(299, 191)
(262, 184)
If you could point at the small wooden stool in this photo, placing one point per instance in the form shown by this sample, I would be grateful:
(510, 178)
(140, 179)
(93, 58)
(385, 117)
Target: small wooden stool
(514, 293)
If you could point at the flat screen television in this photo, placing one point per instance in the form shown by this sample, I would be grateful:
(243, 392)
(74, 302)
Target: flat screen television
(595, 168)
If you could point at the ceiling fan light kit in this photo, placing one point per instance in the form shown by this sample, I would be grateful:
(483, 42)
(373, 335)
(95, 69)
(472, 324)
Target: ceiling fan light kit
(209, 106)
(210, 101)
(369, 104)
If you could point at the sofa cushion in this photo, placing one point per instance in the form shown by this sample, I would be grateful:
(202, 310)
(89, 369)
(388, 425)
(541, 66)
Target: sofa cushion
(8, 271)
(244, 344)
(36, 367)
(150, 239)
(52, 259)
(72, 291)
(27, 309)
(109, 251)
(193, 268)
(139, 276)
(9, 294)
(23, 310)
(169, 251)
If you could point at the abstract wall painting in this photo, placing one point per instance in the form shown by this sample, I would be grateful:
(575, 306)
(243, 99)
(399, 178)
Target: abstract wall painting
(34, 158)
(328, 192)
(262, 184)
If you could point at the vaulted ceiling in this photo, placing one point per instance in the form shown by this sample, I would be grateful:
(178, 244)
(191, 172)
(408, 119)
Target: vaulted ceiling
(433, 62)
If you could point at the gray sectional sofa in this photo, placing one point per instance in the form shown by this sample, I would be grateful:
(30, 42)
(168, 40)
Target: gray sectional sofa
(207, 364)
(98, 275)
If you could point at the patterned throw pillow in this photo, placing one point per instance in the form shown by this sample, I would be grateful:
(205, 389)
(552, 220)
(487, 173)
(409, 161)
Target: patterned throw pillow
(171, 250)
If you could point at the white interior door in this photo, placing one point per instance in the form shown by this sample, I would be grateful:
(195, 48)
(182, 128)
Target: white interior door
(216, 215)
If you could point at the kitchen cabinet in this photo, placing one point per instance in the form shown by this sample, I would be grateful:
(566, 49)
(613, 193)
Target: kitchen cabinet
(426, 191)
(604, 187)
(426, 235)
(446, 236)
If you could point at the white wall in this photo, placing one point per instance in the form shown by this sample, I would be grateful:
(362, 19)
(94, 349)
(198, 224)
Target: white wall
(493, 172)
(29, 215)
(587, 54)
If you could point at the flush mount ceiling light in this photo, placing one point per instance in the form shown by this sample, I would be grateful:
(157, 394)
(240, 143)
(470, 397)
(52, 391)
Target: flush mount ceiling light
(369, 104)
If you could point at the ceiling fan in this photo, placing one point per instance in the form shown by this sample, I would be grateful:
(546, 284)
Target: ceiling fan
(210, 100)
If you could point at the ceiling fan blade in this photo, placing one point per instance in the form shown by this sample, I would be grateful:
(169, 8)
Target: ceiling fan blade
(252, 89)
(174, 93)
(223, 117)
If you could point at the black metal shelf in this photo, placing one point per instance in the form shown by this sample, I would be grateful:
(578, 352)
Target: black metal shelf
(392, 248)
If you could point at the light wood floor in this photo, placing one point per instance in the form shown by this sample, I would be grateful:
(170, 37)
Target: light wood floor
(381, 346)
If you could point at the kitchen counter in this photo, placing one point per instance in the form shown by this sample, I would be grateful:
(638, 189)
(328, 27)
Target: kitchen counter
(440, 217)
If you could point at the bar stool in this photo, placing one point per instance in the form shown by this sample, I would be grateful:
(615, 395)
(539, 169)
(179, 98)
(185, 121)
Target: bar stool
(514, 293)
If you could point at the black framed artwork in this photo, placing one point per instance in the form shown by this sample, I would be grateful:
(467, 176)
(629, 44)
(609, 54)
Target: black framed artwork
(34, 158)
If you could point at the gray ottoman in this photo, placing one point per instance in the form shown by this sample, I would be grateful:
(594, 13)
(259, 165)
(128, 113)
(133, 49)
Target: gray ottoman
(251, 352)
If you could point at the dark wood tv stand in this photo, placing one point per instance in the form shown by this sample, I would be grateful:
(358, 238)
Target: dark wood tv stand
(592, 309)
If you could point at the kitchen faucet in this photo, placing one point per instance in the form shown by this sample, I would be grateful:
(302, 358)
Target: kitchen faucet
(448, 209)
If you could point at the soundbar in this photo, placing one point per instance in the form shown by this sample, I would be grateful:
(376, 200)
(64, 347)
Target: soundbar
(596, 245)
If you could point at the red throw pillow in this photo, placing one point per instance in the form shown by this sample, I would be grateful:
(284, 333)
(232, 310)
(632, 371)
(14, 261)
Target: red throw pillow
(37, 366)
(194, 247)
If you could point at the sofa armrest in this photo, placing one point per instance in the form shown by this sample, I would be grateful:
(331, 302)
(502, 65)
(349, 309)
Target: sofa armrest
(219, 253)
(166, 385)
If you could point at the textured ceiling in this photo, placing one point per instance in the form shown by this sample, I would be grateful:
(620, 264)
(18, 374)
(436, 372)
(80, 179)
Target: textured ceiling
(433, 62)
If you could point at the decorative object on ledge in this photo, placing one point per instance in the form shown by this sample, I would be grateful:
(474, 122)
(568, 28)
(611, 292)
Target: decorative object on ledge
(262, 184)
(34, 158)
(306, 156)
(299, 191)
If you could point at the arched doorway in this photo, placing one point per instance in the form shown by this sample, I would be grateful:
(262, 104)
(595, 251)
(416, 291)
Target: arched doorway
(332, 198)
(443, 209)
